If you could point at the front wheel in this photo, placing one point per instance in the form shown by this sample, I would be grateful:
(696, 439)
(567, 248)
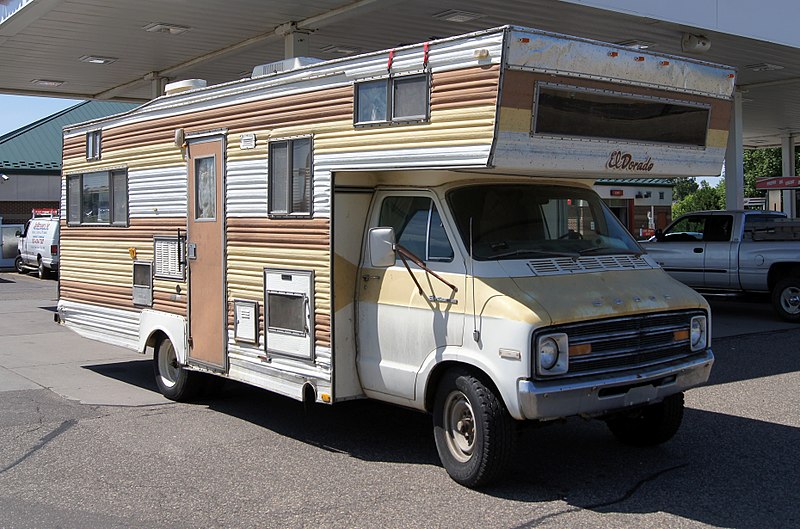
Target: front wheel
(19, 265)
(474, 433)
(651, 425)
(786, 299)
(173, 381)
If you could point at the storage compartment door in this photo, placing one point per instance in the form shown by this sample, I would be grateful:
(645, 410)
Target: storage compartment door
(289, 312)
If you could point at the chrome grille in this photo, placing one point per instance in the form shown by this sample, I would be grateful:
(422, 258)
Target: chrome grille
(627, 343)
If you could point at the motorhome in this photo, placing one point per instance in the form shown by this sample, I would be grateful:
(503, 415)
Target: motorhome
(415, 225)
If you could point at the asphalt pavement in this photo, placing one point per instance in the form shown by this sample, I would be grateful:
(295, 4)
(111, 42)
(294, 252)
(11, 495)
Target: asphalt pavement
(87, 441)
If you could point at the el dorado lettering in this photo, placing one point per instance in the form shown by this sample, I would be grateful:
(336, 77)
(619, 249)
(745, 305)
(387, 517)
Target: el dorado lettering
(624, 162)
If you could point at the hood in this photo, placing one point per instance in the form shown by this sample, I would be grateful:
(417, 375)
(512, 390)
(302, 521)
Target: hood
(570, 298)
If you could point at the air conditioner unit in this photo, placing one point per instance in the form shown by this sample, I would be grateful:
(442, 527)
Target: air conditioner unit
(285, 65)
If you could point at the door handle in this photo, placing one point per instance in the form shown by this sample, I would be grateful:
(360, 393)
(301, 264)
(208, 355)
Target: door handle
(698, 250)
(367, 277)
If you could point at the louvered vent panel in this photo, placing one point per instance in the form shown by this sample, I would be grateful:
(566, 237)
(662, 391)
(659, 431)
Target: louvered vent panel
(168, 258)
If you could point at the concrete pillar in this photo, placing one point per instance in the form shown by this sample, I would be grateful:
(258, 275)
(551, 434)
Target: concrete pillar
(734, 158)
(295, 44)
(789, 169)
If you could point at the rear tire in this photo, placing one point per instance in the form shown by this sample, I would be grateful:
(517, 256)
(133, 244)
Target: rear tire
(651, 425)
(42, 270)
(173, 380)
(786, 299)
(475, 435)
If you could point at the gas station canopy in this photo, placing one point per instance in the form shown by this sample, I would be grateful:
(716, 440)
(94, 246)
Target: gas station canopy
(124, 50)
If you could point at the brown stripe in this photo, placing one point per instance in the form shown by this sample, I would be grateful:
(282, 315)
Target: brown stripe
(452, 89)
(295, 233)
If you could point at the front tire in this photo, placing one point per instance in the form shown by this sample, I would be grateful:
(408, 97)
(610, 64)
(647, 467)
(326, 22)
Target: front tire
(786, 299)
(650, 425)
(19, 266)
(474, 434)
(173, 380)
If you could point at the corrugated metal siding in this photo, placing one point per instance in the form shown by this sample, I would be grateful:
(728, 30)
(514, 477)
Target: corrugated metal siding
(102, 323)
(96, 266)
(160, 191)
(246, 193)
(292, 244)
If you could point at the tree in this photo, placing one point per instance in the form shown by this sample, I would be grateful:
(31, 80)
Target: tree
(683, 186)
(706, 197)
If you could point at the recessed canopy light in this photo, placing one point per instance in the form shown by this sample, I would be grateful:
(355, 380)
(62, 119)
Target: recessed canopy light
(456, 15)
(47, 82)
(164, 27)
(95, 59)
(637, 44)
(764, 67)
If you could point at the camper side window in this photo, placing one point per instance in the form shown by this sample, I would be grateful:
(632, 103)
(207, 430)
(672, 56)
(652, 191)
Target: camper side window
(99, 198)
(395, 100)
(93, 140)
(290, 177)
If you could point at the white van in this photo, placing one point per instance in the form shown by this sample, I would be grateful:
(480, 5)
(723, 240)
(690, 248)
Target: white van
(38, 244)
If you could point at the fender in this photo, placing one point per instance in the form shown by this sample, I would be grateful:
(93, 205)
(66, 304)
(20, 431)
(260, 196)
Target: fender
(500, 371)
(172, 325)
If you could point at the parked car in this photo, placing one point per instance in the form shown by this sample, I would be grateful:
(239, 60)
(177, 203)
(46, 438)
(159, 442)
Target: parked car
(734, 251)
(38, 245)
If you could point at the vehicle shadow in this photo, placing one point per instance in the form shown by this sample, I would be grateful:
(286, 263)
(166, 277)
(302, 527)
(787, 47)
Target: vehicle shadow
(734, 360)
(720, 469)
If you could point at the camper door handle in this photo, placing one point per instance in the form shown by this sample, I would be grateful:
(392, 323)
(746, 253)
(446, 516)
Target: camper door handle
(367, 277)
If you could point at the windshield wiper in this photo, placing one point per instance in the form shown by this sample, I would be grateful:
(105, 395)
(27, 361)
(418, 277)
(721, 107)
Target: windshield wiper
(547, 253)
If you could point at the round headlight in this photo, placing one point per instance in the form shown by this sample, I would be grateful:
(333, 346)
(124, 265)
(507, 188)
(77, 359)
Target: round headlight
(698, 332)
(548, 353)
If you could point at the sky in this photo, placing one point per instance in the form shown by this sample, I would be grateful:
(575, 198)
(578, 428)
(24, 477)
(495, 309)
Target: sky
(18, 111)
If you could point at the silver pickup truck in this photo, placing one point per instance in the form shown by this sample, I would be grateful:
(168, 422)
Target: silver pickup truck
(734, 251)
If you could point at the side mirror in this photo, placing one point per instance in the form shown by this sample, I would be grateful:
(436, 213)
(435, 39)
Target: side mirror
(381, 247)
(659, 234)
(18, 234)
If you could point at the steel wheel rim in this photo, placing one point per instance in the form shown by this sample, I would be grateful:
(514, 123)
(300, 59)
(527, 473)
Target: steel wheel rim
(790, 300)
(459, 423)
(168, 367)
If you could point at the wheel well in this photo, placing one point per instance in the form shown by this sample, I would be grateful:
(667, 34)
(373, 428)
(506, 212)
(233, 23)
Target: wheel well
(155, 338)
(442, 368)
(779, 271)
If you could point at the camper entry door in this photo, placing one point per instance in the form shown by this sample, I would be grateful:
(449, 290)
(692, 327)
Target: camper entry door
(206, 255)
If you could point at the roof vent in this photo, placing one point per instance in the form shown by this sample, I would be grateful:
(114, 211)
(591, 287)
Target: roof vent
(285, 65)
(182, 86)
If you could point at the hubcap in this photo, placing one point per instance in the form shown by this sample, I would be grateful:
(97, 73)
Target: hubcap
(168, 366)
(790, 300)
(459, 426)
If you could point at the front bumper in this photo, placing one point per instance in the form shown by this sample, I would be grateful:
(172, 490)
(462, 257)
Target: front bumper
(544, 399)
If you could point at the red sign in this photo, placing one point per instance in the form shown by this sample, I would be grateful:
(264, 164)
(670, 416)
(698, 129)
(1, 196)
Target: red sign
(40, 212)
(778, 182)
(617, 192)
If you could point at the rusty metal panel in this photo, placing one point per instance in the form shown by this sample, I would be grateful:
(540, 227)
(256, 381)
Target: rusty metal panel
(572, 56)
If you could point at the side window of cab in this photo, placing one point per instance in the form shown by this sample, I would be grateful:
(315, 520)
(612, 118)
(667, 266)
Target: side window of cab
(687, 229)
(417, 227)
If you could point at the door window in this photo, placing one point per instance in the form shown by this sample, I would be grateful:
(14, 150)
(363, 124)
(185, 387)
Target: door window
(417, 226)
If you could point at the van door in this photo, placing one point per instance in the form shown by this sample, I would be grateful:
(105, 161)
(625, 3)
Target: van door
(399, 326)
(206, 255)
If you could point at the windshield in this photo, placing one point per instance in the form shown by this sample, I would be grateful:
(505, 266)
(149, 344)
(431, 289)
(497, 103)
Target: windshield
(524, 221)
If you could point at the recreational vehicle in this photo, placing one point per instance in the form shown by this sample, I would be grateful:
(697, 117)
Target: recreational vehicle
(415, 225)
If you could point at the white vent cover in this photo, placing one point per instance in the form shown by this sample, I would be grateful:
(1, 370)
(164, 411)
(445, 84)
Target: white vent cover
(182, 86)
(168, 258)
(582, 265)
(285, 65)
